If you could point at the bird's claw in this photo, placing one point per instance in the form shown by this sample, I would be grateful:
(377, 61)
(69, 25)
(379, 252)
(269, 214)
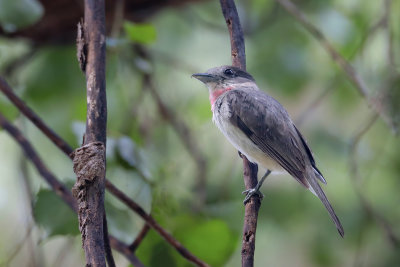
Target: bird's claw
(252, 192)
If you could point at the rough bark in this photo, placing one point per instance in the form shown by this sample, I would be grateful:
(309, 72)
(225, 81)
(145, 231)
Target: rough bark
(89, 167)
(89, 160)
(249, 170)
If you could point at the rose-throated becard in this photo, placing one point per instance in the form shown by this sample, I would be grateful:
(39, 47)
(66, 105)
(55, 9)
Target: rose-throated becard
(259, 127)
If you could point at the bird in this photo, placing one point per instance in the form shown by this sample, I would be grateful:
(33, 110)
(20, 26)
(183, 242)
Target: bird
(260, 128)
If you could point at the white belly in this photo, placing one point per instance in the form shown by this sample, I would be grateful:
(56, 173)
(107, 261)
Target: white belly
(242, 143)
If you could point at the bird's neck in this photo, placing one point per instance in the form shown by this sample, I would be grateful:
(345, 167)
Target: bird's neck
(214, 94)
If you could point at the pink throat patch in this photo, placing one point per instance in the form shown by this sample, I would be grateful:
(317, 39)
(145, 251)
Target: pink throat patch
(215, 94)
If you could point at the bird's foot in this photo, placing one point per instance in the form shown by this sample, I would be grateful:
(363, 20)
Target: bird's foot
(256, 190)
(252, 192)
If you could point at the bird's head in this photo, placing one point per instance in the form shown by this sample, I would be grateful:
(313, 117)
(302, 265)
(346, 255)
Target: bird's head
(224, 76)
(221, 79)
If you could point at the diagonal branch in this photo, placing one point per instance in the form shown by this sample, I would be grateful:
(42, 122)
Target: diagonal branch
(347, 68)
(60, 189)
(34, 118)
(139, 238)
(249, 170)
(67, 149)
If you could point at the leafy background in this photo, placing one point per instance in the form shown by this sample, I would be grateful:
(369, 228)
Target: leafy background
(148, 159)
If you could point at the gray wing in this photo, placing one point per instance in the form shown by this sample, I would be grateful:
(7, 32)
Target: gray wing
(269, 126)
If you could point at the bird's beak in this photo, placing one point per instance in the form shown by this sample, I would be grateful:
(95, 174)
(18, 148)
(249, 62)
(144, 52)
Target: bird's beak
(205, 77)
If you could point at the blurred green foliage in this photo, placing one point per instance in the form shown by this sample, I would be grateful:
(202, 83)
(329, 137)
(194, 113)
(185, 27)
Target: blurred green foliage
(150, 163)
(51, 213)
(140, 33)
(19, 14)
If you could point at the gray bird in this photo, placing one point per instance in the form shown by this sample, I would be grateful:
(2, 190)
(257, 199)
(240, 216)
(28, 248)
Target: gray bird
(260, 128)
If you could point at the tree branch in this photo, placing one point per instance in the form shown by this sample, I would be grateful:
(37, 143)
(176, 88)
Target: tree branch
(235, 33)
(34, 118)
(249, 169)
(66, 148)
(90, 159)
(142, 234)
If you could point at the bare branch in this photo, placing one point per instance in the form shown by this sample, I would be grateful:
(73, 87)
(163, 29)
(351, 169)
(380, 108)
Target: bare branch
(34, 118)
(249, 170)
(60, 189)
(89, 160)
(95, 38)
(124, 249)
(235, 32)
(250, 214)
(142, 234)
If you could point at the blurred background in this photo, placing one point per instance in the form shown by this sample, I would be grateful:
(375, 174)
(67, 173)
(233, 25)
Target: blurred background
(164, 151)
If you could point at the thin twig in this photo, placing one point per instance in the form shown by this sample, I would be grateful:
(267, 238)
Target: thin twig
(124, 249)
(34, 118)
(249, 170)
(60, 189)
(356, 181)
(66, 148)
(139, 238)
(151, 222)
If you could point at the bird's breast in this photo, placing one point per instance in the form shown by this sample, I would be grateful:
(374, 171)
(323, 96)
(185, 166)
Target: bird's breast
(241, 142)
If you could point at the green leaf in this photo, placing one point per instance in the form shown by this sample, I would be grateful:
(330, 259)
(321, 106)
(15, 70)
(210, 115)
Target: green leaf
(51, 213)
(210, 240)
(126, 153)
(140, 33)
(155, 251)
(7, 109)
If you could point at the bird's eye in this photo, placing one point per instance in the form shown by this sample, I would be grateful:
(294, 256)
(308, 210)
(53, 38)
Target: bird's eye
(229, 72)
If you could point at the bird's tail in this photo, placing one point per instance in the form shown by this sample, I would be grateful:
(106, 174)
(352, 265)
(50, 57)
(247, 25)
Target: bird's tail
(316, 189)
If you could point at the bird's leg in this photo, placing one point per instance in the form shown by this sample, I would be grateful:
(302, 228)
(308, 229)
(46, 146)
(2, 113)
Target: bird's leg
(256, 190)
